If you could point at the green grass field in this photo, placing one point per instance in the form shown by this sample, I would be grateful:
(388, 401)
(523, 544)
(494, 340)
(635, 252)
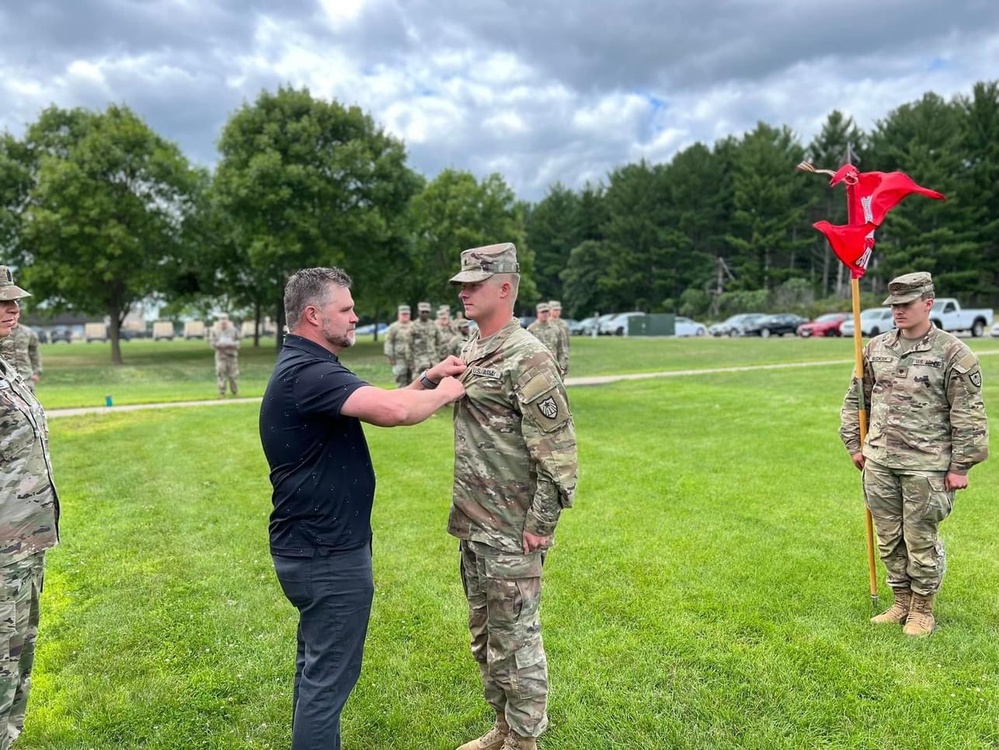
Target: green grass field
(709, 589)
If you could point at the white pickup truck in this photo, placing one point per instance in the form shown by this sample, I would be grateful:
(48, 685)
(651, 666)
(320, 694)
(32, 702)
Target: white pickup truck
(948, 314)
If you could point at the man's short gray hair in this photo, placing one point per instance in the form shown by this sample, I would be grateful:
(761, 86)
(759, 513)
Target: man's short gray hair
(310, 286)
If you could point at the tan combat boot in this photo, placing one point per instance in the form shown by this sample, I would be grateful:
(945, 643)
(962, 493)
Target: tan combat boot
(920, 621)
(899, 610)
(491, 740)
(515, 742)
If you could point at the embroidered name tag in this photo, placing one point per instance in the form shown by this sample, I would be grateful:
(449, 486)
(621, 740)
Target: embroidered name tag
(926, 362)
(486, 372)
(882, 359)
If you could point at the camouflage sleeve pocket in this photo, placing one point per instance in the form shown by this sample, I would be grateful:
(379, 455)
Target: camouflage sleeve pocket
(513, 567)
(543, 402)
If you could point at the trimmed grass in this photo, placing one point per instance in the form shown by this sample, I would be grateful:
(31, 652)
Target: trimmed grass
(709, 589)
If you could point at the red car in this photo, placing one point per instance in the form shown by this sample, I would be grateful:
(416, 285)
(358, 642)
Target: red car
(824, 325)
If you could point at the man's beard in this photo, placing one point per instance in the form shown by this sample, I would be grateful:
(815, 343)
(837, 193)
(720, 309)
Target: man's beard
(341, 342)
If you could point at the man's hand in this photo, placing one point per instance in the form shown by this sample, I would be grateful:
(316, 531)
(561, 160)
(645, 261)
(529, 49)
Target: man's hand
(448, 367)
(452, 388)
(955, 481)
(858, 460)
(532, 542)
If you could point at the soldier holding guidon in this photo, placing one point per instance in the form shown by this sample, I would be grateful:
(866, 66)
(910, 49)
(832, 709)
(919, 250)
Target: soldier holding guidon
(927, 429)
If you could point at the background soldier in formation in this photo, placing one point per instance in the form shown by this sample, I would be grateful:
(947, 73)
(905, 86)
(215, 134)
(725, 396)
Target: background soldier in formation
(514, 472)
(21, 350)
(396, 348)
(448, 329)
(29, 524)
(426, 340)
(927, 429)
(224, 339)
(563, 355)
(548, 333)
(458, 340)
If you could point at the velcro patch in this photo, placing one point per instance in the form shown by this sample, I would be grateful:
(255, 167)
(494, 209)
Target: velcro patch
(976, 378)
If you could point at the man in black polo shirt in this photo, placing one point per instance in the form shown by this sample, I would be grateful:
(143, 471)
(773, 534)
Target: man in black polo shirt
(324, 486)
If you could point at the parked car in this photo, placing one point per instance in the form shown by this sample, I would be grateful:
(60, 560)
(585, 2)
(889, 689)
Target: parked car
(61, 333)
(873, 321)
(995, 331)
(948, 315)
(733, 325)
(824, 325)
(782, 324)
(526, 320)
(688, 327)
(617, 325)
(43, 335)
(585, 327)
(369, 329)
(95, 332)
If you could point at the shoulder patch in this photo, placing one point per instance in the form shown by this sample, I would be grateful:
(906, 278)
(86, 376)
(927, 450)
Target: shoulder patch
(976, 378)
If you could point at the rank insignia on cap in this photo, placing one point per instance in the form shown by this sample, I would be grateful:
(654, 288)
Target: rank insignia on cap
(549, 408)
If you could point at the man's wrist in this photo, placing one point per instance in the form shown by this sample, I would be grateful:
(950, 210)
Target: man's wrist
(426, 382)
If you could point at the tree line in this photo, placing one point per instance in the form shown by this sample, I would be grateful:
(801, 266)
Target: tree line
(98, 212)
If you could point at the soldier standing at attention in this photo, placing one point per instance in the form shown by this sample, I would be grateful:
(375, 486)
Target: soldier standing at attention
(425, 339)
(448, 329)
(29, 524)
(514, 471)
(547, 332)
(21, 350)
(396, 347)
(457, 342)
(224, 339)
(927, 429)
(563, 357)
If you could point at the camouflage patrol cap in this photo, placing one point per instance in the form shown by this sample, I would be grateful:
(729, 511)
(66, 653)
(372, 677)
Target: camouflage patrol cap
(8, 290)
(479, 263)
(443, 310)
(423, 307)
(405, 309)
(543, 307)
(555, 304)
(906, 288)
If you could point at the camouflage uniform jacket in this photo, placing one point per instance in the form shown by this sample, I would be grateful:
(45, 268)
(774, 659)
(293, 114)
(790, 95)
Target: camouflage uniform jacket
(514, 442)
(396, 346)
(448, 333)
(21, 350)
(29, 506)
(425, 341)
(550, 335)
(225, 343)
(925, 405)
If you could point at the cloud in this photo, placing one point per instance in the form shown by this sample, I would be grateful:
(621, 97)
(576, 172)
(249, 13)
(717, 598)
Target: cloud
(539, 91)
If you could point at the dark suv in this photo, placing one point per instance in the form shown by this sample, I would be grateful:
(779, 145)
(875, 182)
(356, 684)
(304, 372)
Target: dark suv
(61, 333)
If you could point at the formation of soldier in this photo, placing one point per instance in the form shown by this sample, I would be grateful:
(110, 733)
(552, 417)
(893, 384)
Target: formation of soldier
(411, 346)
(553, 332)
(20, 349)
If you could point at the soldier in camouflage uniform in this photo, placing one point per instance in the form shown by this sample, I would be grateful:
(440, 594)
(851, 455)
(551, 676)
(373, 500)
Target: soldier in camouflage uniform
(548, 333)
(224, 339)
(457, 342)
(29, 518)
(21, 350)
(425, 340)
(927, 429)
(396, 348)
(563, 357)
(514, 471)
(448, 329)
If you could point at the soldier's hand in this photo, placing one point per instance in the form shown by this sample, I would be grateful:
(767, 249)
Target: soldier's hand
(452, 388)
(448, 367)
(955, 481)
(533, 542)
(858, 460)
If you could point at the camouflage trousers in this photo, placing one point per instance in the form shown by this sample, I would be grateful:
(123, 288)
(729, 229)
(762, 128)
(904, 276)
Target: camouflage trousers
(402, 374)
(20, 587)
(504, 618)
(907, 506)
(227, 370)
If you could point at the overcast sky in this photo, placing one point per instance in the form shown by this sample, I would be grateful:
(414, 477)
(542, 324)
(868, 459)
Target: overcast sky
(537, 90)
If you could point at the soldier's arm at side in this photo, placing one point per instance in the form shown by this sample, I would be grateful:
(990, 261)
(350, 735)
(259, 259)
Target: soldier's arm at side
(968, 422)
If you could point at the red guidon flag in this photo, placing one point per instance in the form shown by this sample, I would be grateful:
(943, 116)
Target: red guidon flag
(871, 195)
(852, 243)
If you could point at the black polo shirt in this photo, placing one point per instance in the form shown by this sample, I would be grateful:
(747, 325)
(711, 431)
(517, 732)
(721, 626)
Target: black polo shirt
(324, 483)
